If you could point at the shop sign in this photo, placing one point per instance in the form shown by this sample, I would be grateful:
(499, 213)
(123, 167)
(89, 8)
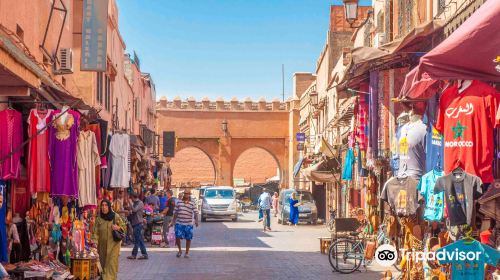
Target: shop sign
(94, 35)
(300, 146)
(301, 137)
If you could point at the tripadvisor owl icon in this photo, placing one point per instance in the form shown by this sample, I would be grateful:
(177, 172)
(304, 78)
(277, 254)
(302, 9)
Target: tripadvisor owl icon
(386, 255)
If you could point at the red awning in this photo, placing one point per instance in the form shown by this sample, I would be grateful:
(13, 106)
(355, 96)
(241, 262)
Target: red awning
(472, 52)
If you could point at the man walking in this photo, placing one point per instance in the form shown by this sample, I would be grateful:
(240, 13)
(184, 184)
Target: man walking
(184, 212)
(136, 220)
(265, 206)
(168, 213)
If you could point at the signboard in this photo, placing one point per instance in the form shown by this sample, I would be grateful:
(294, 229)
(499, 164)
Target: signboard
(94, 35)
(301, 137)
(300, 146)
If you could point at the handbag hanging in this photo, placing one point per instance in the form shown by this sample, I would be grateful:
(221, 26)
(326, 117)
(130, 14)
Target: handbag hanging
(118, 235)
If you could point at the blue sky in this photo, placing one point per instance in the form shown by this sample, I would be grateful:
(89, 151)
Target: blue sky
(225, 48)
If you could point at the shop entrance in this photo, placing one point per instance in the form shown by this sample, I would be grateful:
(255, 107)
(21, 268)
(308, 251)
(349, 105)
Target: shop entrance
(319, 195)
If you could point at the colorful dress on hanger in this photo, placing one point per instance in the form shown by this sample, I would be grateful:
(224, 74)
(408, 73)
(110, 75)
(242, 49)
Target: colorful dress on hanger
(11, 138)
(88, 159)
(63, 138)
(38, 161)
(119, 148)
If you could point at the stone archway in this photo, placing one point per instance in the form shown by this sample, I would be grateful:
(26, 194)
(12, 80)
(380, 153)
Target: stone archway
(255, 165)
(194, 162)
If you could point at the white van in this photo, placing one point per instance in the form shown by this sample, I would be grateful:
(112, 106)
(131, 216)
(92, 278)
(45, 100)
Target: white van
(219, 203)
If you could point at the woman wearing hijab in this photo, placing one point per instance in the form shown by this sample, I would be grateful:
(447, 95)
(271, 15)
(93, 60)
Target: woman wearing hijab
(294, 210)
(102, 235)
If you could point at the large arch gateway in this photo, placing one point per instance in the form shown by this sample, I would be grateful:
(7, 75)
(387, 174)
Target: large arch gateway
(225, 130)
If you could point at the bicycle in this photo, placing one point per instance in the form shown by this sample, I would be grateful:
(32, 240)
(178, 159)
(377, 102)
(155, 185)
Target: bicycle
(331, 224)
(347, 254)
(265, 218)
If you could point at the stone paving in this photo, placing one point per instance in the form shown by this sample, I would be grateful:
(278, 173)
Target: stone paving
(227, 250)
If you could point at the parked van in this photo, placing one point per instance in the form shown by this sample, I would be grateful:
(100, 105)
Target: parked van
(219, 203)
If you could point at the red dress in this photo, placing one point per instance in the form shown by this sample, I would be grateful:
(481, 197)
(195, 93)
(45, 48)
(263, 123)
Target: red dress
(38, 162)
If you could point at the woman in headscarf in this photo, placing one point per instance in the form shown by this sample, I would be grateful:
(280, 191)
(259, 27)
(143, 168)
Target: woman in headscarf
(294, 209)
(102, 235)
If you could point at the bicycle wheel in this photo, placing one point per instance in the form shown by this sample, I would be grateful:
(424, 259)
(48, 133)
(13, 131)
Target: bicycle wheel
(345, 256)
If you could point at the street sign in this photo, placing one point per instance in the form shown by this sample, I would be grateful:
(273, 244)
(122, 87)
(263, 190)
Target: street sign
(300, 146)
(301, 137)
(94, 35)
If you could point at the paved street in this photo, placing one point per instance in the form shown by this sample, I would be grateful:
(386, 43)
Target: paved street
(227, 250)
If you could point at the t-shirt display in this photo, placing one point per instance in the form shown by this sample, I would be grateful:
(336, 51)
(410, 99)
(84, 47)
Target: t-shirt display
(467, 120)
(434, 202)
(411, 149)
(467, 259)
(460, 191)
(402, 195)
(434, 145)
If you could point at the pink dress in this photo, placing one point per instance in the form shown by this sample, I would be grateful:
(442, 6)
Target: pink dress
(11, 138)
(38, 162)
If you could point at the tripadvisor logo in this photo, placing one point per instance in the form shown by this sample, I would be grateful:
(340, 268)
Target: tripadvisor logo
(387, 255)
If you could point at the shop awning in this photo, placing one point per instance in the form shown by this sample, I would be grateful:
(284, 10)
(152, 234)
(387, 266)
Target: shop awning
(366, 59)
(472, 52)
(345, 113)
(323, 171)
(298, 166)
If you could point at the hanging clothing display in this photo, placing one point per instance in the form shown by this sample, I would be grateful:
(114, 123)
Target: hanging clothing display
(434, 202)
(11, 138)
(38, 156)
(349, 161)
(120, 152)
(411, 149)
(20, 197)
(468, 268)
(460, 191)
(4, 244)
(63, 138)
(402, 195)
(88, 159)
(467, 120)
(434, 145)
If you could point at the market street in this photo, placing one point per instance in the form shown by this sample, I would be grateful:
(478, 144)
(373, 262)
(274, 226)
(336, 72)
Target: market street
(227, 250)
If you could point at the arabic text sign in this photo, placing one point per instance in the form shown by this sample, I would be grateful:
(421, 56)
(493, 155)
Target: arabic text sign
(94, 35)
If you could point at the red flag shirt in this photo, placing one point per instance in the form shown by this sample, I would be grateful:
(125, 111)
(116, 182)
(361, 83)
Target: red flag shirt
(466, 121)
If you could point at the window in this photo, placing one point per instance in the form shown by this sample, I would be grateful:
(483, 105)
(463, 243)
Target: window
(99, 87)
(107, 101)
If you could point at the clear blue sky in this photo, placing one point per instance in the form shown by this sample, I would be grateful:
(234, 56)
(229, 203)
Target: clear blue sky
(226, 48)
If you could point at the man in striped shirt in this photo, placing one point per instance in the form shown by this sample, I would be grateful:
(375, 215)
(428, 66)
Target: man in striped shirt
(184, 213)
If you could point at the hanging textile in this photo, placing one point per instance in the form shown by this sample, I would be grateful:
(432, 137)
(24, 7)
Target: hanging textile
(4, 255)
(11, 138)
(373, 113)
(88, 159)
(20, 197)
(63, 138)
(467, 120)
(38, 156)
(120, 151)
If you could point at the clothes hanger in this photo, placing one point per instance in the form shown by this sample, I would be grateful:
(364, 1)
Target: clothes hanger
(458, 168)
(468, 239)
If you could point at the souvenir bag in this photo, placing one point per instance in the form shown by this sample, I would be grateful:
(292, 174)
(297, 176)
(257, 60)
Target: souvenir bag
(118, 235)
(171, 235)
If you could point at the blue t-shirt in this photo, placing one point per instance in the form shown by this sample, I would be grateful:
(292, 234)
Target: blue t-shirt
(434, 146)
(434, 203)
(468, 260)
(163, 202)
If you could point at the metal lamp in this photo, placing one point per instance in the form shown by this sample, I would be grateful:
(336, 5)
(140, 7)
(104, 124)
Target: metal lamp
(314, 98)
(224, 126)
(351, 10)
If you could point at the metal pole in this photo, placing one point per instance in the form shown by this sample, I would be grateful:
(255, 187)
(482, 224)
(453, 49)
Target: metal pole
(283, 80)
